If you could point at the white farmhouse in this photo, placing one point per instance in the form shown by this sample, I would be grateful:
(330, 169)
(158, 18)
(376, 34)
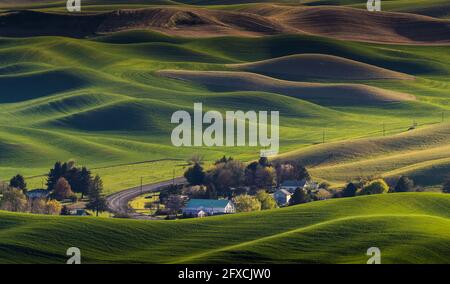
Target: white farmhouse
(292, 185)
(208, 207)
(282, 197)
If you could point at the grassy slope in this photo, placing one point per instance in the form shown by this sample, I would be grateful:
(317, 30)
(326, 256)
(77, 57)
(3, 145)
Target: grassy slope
(67, 107)
(422, 154)
(408, 228)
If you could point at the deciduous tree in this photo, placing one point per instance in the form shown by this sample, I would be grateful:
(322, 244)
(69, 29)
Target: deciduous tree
(266, 200)
(14, 200)
(246, 203)
(62, 190)
(38, 206)
(53, 207)
(375, 187)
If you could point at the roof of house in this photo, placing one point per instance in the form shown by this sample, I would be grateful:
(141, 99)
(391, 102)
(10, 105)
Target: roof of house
(207, 203)
(37, 192)
(292, 183)
(284, 191)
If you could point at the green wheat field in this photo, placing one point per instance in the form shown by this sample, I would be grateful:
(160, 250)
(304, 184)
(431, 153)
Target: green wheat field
(102, 90)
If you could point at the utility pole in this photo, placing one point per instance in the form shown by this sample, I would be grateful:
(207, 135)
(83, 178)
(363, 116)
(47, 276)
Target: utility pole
(384, 129)
(141, 185)
(323, 137)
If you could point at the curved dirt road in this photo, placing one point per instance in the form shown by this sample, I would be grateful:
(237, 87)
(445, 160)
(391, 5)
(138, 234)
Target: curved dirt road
(118, 202)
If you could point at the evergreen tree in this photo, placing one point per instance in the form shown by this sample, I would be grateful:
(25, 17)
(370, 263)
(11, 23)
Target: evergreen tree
(302, 173)
(349, 190)
(404, 184)
(54, 175)
(81, 180)
(195, 175)
(96, 202)
(18, 181)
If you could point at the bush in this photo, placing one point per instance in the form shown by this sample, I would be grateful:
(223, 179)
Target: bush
(53, 207)
(322, 194)
(38, 206)
(246, 203)
(375, 187)
(266, 200)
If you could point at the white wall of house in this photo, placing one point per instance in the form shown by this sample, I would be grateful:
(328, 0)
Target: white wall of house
(210, 210)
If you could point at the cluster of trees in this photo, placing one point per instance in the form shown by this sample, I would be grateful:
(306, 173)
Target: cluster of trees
(356, 188)
(79, 179)
(228, 177)
(15, 200)
(378, 186)
(260, 201)
(64, 182)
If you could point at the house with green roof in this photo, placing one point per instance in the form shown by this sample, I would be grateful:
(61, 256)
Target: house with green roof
(208, 207)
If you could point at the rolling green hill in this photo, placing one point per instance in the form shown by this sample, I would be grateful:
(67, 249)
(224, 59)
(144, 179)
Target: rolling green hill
(421, 154)
(102, 101)
(360, 95)
(407, 227)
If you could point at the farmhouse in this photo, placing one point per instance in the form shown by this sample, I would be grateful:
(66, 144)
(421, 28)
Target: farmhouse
(292, 185)
(205, 207)
(38, 193)
(282, 197)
